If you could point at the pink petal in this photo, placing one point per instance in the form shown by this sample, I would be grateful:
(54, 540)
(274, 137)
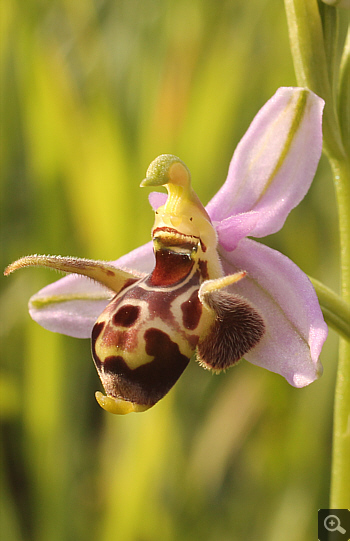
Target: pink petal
(77, 316)
(231, 230)
(157, 199)
(284, 296)
(274, 164)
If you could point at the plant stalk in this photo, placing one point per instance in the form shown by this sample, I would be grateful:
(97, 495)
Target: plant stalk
(340, 476)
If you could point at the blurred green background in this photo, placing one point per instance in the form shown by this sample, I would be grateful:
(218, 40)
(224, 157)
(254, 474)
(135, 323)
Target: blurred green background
(92, 92)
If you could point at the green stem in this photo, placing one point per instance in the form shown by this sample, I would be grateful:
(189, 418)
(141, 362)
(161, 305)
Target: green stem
(313, 60)
(335, 310)
(310, 61)
(340, 481)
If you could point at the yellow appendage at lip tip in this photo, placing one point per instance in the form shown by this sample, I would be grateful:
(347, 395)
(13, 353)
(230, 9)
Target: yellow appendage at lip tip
(118, 405)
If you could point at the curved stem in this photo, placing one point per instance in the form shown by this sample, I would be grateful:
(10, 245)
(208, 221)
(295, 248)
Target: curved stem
(312, 52)
(335, 310)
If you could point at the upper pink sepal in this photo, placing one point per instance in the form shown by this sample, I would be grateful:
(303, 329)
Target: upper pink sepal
(270, 171)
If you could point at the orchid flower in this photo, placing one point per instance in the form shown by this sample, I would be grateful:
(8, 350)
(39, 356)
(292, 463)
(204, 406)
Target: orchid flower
(201, 286)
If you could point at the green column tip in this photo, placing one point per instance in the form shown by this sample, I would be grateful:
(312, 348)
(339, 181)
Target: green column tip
(167, 169)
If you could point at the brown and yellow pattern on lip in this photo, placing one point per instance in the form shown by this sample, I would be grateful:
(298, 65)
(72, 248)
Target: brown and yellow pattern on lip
(143, 341)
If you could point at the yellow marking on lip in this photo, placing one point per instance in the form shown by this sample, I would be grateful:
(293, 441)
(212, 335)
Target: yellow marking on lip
(174, 235)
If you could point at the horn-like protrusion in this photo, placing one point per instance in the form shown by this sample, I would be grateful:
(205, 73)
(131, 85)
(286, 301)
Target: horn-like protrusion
(100, 271)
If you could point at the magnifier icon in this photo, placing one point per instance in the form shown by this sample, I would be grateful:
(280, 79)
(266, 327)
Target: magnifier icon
(332, 524)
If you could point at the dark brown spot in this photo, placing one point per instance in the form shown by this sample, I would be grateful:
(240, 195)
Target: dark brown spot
(113, 363)
(97, 329)
(126, 315)
(203, 268)
(109, 272)
(171, 267)
(191, 311)
(149, 382)
(238, 328)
